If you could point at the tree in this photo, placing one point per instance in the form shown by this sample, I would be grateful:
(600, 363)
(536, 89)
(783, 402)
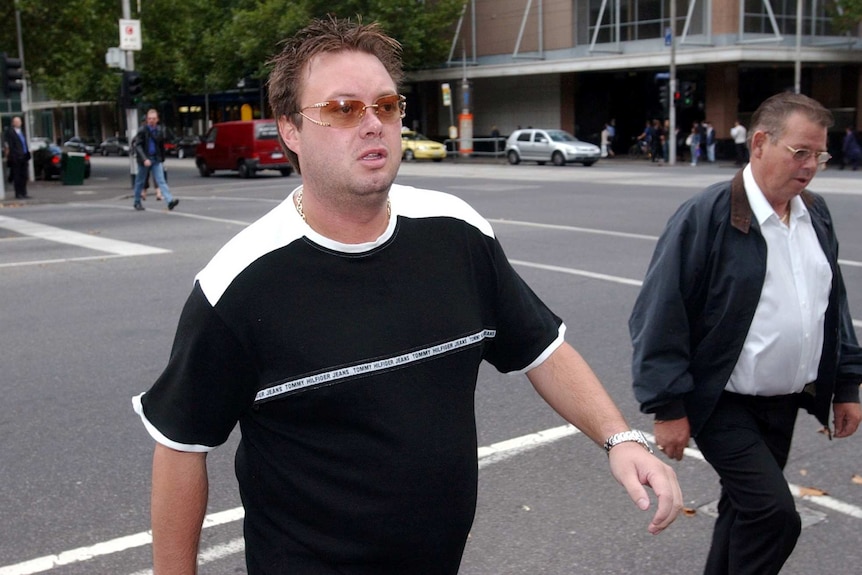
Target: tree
(846, 14)
(197, 45)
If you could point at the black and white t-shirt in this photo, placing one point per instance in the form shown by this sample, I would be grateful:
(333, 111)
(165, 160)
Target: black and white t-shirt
(351, 370)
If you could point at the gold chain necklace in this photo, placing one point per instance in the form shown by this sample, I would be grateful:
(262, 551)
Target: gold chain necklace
(302, 213)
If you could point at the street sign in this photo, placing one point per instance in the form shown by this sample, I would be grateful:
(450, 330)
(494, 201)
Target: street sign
(668, 36)
(115, 58)
(447, 94)
(130, 34)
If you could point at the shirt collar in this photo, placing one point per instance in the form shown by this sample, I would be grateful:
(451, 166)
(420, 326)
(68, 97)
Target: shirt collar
(761, 208)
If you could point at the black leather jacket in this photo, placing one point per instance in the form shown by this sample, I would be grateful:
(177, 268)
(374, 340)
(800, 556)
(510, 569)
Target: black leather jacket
(698, 299)
(141, 143)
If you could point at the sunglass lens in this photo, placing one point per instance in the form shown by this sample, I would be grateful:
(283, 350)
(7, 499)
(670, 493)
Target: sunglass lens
(341, 113)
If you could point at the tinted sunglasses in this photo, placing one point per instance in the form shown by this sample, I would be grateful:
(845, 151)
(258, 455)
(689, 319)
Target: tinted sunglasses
(349, 113)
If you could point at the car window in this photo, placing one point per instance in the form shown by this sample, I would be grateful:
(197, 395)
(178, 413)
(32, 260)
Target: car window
(524, 136)
(561, 136)
(540, 138)
(267, 132)
(211, 135)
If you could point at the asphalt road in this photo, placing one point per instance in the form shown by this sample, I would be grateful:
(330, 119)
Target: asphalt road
(90, 292)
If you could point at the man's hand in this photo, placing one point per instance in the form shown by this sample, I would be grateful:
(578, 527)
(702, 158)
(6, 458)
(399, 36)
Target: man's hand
(847, 418)
(633, 466)
(672, 437)
(148, 163)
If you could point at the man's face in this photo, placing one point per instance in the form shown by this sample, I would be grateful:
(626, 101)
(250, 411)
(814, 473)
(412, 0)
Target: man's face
(16, 122)
(778, 174)
(152, 119)
(345, 162)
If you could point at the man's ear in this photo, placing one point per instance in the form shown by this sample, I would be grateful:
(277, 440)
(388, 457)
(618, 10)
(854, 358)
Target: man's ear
(758, 140)
(289, 133)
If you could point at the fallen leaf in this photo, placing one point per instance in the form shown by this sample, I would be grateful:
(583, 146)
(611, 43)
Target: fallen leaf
(803, 472)
(689, 512)
(811, 492)
(525, 507)
(857, 479)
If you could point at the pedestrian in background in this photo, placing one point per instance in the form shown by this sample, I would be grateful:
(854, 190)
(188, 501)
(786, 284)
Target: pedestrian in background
(739, 135)
(851, 152)
(759, 252)
(312, 329)
(17, 156)
(606, 142)
(149, 149)
(710, 142)
(693, 143)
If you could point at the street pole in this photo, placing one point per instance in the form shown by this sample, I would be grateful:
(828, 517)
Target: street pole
(131, 113)
(25, 100)
(797, 68)
(672, 83)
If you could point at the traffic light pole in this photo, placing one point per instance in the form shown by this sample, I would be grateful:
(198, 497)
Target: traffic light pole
(131, 112)
(672, 85)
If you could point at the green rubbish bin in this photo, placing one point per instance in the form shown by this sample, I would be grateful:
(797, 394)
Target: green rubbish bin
(73, 168)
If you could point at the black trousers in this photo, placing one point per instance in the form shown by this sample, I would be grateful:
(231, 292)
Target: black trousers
(18, 173)
(747, 441)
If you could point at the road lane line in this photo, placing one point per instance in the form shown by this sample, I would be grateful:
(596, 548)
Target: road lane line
(575, 229)
(59, 235)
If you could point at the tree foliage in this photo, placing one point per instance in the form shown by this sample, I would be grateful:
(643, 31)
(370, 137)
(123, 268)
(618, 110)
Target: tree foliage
(846, 14)
(195, 46)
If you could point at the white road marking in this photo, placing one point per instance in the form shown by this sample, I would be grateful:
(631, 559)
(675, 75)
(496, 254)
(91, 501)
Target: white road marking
(59, 235)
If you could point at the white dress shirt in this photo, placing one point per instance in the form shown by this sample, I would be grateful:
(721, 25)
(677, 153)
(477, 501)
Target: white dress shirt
(782, 350)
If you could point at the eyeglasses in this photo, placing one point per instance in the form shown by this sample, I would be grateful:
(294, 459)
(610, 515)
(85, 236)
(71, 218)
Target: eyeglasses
(802, 156)
(349, 113)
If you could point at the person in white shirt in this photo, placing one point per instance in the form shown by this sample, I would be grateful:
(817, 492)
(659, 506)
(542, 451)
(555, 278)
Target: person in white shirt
(741, 321)
(739, 135)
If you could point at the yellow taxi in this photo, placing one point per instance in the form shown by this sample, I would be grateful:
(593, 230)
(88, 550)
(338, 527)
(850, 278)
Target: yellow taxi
(415, 146)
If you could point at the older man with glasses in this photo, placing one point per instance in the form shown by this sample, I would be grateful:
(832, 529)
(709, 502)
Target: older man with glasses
(743, 319)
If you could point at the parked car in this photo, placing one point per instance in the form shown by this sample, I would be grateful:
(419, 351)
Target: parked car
(48, 159)
(244, 146)
(77, 144)
(415, 146)
(114, 145)
(185, 147)
(557, 146)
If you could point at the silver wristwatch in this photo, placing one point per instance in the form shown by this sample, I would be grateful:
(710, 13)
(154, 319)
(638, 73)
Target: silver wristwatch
(623, 436)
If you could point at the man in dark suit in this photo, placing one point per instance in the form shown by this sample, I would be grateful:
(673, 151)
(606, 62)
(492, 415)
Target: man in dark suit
(17, 156)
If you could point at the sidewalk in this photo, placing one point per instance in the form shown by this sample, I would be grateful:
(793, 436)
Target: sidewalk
(55, 192)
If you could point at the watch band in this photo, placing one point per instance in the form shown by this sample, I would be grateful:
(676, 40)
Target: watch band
(624, 436)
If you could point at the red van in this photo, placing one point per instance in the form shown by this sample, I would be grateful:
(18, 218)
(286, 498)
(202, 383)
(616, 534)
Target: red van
(243, 146)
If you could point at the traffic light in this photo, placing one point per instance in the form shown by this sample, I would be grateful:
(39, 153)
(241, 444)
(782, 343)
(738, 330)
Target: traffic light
(12, 74)
(130, 91)
(664, 96)
(688, 93)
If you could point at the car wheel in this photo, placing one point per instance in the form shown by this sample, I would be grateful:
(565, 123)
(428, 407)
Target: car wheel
(513, 157)
(409, 156)
(286, 172)
(438, 159)
(558, 159)
(590, 163)
(244, 170)
(204, 170)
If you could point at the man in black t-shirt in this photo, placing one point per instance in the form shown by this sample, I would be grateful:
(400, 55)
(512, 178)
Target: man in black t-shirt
(344, 331)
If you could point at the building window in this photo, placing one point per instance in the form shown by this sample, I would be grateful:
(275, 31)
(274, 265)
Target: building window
(640, 20)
